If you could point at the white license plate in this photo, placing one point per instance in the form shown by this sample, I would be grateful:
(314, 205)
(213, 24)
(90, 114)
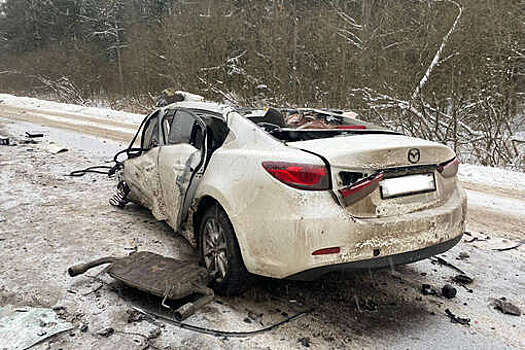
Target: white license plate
(407, 185)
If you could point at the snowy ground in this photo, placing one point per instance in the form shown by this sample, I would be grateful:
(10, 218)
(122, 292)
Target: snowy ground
(49, 221)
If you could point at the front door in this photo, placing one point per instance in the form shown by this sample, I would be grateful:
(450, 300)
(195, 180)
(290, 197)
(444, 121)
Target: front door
(180, 158)
(141, 172)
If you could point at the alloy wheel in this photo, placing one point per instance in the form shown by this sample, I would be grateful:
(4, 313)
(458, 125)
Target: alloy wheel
(215, 249)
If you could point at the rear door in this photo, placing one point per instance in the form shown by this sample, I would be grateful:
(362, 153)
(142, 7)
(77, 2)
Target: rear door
(181, 160)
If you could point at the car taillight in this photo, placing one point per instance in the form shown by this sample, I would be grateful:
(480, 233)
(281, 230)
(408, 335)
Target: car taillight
(450, 168)
(361, 189)
(325, 251)
(303, 176)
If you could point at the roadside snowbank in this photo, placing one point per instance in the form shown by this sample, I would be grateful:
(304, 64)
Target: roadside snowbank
(51, 106)
(494, 177)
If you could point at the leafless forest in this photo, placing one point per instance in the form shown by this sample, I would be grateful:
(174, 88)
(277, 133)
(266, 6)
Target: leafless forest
(451, 71)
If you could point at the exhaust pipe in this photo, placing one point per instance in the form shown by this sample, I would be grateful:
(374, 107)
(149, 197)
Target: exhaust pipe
(189, 309)
(83, 268)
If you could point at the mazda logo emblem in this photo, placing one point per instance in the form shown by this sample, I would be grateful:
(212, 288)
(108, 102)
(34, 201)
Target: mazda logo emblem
(414, 155)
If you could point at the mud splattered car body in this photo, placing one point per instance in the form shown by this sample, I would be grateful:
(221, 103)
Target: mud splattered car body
(294, 193)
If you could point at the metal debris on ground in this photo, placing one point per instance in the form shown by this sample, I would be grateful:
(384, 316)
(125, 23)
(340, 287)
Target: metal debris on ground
(106, 332)
(516, 246)
(475, 239)
(448, 291)
(463, 256)
(217, 332)
(163, 277)
(304, 341)
(34, 136)
(23, 328)
(55, 148)
(505, 306)
(443, 262)
(427, 289)
(456, 319)
(463, 279)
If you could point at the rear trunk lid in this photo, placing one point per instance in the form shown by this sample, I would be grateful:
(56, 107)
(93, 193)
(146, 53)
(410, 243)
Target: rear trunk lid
(411, 161)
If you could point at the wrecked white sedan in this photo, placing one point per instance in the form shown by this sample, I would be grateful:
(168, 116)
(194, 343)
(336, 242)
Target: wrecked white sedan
(293, 193)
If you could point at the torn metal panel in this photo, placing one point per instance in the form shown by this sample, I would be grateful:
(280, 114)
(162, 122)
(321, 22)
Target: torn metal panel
(142, 176)
(22, 328)
(158, 275)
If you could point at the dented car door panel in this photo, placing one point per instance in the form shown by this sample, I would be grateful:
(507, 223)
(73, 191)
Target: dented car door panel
(182, 156)
(177, 164)
(142, 176)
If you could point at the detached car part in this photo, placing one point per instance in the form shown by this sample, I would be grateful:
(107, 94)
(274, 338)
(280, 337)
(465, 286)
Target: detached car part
(158, 275)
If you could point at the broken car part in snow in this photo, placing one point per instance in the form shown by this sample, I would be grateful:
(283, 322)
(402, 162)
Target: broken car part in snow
(456, 319)
(216, 332)
(155, 274)
(516, 246)
(463, 279)
(34, 136)
(22, 328)
(448, 291)
(427, 289)
(55, 148)
(441, 261)
(505, 306)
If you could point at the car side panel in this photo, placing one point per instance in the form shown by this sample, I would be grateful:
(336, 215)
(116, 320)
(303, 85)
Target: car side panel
(142, 176)
(279, 227)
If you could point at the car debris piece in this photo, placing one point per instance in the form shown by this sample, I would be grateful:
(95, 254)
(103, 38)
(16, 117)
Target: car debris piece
(106, 332)
(448, 291)
(516, 246)
(427, 289)
(24, 329)
(34, 136)
(463, 256)
(505, 306)
(443, 262)
(55, 148)
(463, 279)
(216, 332)
(161, 276)
(304, 341)
(456, 319)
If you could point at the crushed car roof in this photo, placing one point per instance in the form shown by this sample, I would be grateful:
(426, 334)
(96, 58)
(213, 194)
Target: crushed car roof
(207, 106)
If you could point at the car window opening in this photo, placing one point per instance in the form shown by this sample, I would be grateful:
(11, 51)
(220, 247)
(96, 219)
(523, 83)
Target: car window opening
(304, 124)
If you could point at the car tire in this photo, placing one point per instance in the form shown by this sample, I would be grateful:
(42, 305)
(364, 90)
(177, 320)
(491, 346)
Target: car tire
(220, 253)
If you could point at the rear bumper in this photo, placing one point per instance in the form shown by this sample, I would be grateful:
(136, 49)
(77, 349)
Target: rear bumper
(278, 238)
(377, 263)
